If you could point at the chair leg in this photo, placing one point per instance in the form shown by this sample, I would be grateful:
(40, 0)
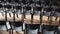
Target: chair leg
(38, 30)
(9, 31)
(55, 32)
(42, 30)
(24, 31)
(6, 27)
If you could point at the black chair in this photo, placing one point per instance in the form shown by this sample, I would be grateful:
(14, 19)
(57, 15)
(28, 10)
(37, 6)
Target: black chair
(1, 0)
(7, 6)
(2, 22)
(17, 10)
(17, 26)
(1, 9)
(37, 10)
(24, 2)
(57, 13)
(27, 10)
(54, 3)
(49, 29)
(38, 2)
(48, 10)
(1, 5)
(9, 1)
(15, 1)
(8, 9)
(58, 30)
(32, 28)
(3, 25)
(17, 7)
(30, 1)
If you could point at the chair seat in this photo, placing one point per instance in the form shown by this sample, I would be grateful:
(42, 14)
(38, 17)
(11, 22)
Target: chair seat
(27, 12)
(18, 29)
(47, 13)
(33, 31)
(3, 27)
(49, 29)
(37, 13)
(57, 14)
(17, 26)
(48, 32)
(1, 10)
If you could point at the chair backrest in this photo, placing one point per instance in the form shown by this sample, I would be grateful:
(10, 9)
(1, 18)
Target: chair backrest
(58, 31)
(2, 22)
(17, 24)
(32, 26)
(1, 5)
(8, 6)
(49, 27)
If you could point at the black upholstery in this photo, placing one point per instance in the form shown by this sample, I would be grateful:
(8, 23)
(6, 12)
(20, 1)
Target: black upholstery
(48, 9)
(2, 0)
(30, 2)
(2, 22)
(32, 26)
(9, 0)
(16, 1)
(37, 8)
(58, 10)
(17, 7)
(27, 8)
(49, 27)
(7, 6)
(39, 2)
(1, 5)
(17, 24)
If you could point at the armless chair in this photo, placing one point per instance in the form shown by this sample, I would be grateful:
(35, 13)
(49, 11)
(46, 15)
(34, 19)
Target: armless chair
(8, 9)
(38, 12)
(57, 14)
(27, 10)
(2, 25)
(17, 10)
(49, 29)
(17, 26)
(32, 28)
(48, 13)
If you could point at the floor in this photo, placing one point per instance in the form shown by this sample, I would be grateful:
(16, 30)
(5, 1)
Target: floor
(5, 32)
